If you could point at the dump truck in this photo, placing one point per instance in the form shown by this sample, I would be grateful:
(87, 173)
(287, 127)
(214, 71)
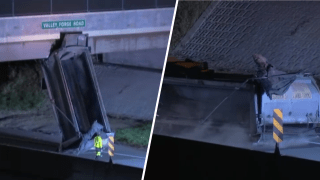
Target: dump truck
(75, 95)
(299, 106)
(190, 97)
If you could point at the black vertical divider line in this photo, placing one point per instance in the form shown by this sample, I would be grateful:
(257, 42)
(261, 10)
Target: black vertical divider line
(12, 7)
(87, 5)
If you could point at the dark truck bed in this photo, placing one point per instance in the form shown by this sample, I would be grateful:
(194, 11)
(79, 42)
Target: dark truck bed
(72, 84)
(184, 103)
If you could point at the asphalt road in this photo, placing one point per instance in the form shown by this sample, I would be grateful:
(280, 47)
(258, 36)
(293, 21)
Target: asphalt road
(311, 151)
(299, 147)
(128, 92)
(123, 155)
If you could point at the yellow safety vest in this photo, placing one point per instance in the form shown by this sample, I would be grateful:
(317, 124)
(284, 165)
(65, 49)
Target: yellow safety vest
(98, 142)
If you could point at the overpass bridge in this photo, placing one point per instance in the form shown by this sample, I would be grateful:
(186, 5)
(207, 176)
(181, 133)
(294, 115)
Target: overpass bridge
(28, 30)
(134, 32)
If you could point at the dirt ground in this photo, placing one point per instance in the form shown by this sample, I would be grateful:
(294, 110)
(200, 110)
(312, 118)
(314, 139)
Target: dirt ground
(27, 115)
(42, 120)
(37, 120)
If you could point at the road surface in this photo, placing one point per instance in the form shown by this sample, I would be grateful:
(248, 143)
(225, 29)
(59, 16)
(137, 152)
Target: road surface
(299, 147)
(311, 151)
(127, 91)
(123, 155)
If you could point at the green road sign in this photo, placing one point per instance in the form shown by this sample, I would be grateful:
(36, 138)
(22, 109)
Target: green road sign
(63, 24)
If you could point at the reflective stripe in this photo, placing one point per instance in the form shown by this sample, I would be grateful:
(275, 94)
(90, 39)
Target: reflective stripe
(111, 138)
(110, 153)
(111, 146)
(277, 125)
(98, 142)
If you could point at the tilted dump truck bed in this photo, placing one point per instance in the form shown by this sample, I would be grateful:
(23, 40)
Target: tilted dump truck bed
(73, 87)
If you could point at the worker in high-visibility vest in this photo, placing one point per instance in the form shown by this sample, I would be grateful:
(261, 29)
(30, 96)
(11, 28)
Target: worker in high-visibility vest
(98, 145)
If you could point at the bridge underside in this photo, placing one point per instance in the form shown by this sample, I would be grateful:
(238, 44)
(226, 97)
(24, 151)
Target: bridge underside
(228, 33)
(23, 38)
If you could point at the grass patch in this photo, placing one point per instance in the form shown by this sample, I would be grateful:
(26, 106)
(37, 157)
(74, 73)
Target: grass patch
(138, 136)
(20, 94)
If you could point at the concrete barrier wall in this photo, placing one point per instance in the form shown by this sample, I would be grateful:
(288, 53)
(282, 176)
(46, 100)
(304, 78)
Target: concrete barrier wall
(151, 58)
(29, 28)
(24, 38)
